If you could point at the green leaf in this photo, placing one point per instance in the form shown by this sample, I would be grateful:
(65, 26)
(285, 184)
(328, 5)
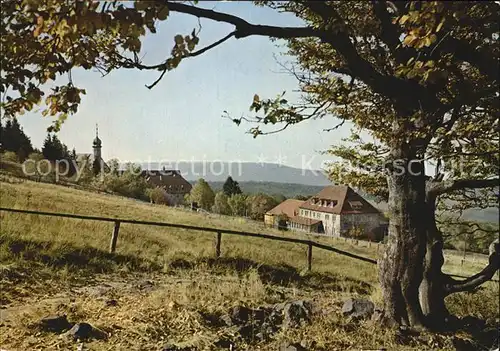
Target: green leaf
(141, 5)
(163, 13)
(409, 39)
(440, 25)
(178, 39)
(403, 19)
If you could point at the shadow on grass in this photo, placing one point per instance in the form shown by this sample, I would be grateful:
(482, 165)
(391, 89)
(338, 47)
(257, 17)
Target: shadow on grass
(484, 335)
(283, 275)
(58, 255)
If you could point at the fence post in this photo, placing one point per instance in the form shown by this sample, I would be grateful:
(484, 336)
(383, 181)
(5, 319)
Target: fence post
(114, 237)
(217, 244)
(309, 256)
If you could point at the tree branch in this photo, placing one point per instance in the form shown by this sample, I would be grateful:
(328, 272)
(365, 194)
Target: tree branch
(410, 95)
(461, 184)
(404, 91)
(244, 28)
(483, 61)
(389, 32)
(476, 280)
(340, 124)
(164, 66)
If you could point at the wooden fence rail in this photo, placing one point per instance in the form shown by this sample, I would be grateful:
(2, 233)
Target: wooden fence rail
(117, 221)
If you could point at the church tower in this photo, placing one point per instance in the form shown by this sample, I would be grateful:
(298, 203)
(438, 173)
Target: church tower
(97, 145)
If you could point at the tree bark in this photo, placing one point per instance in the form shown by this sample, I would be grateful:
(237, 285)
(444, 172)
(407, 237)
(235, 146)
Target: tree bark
(401, 267)
(436, 285)
(431, 291)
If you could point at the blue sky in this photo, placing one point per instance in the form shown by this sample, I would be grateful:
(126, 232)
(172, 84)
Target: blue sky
(180, 119)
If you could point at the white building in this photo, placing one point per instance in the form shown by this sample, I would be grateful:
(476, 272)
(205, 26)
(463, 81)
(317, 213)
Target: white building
(338, 210)
(342, 210)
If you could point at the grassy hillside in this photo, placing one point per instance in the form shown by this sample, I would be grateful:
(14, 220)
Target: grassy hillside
(165, 282)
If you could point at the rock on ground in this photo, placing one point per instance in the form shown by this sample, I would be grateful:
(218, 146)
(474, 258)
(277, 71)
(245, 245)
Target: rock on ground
(56, 324)
(84, 331)
(358, 308)
(296, 312)
(261, 323)
(292, 347)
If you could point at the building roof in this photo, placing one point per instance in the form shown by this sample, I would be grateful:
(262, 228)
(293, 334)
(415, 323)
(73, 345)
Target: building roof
(288, 207)
(80, 157)
(304, 220)
(338, 199)
(171, 180)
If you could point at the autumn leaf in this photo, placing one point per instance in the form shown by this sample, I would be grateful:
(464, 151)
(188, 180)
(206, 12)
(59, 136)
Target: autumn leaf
(178, 39)
(163, 13)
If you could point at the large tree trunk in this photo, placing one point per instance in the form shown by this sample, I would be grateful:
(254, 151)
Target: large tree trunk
(432, 292)
(436, 285)
(401, 267)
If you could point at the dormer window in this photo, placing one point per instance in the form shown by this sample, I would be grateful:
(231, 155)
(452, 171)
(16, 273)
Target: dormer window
(356, 205)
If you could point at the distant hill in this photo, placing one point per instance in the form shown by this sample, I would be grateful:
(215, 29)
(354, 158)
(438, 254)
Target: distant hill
(245, 172)
(272, 188)
(272, 179)
(489, 215)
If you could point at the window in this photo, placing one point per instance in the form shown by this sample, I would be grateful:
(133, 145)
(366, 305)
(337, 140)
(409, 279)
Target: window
(356, 205)
(327, 217)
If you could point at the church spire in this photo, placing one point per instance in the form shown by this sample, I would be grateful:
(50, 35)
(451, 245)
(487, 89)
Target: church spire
(97, 142)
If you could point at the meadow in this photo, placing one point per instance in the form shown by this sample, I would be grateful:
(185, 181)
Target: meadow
(165, 281)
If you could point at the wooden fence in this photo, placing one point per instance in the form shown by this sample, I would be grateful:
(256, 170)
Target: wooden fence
(219, 231)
